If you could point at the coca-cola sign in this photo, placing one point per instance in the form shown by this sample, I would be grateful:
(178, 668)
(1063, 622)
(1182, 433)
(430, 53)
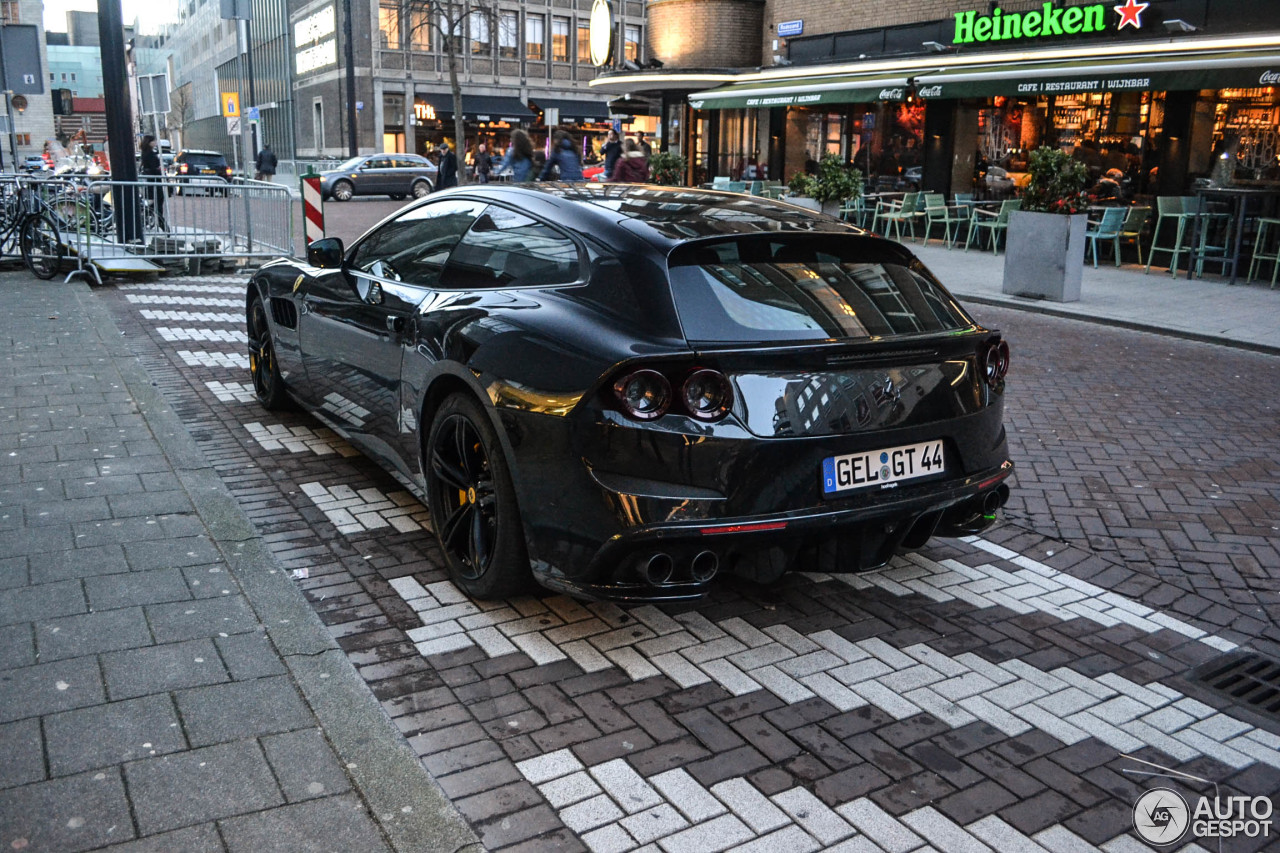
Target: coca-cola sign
(1269, 78)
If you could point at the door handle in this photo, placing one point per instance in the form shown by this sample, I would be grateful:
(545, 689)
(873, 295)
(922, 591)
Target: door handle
(395, 324)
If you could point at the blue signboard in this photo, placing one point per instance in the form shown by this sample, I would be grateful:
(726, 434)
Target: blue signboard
(790, 28)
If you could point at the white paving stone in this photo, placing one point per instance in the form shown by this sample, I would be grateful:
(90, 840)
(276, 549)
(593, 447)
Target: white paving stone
(791, 839)
(942, 831)
(589, 814)
(369, 509)
(1000, 836)
(711, 837)
(627, 787)
(1059, 839)
(203, 301)
(200, 358)
(688, 795)
(880, 826)
(570, 789)
(299, 439)
(192, 316)
(652, 824)
(814, 815)
(550, 766)
(609, 839)
(182, 333)
(753, 807)
(232, 392)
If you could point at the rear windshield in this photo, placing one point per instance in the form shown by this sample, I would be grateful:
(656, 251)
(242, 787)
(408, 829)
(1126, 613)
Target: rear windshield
(204, 159)
(761, 289)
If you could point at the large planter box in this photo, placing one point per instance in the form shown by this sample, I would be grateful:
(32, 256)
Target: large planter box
(804, 201)
(1044, 255)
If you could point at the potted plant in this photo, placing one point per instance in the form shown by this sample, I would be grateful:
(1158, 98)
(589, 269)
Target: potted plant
(667, 169)
(1044, 255)
(835, 183)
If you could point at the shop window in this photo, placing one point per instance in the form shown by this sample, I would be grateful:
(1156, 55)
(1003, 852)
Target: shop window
(479, 26)
(389, 25)
(509, 35)
(631, 43)
(535, 36)
(584, 42)
(560, 39)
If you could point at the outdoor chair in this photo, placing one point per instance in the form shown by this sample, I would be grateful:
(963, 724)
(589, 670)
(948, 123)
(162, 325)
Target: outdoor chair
(938, 212)
(1180, 216)
(854, 210)
(1107, 228)
(1214, 243)
(1264, 251)
(720, 182)
(1133, 226)
(995, 222)
(737, 186)
(897, 213)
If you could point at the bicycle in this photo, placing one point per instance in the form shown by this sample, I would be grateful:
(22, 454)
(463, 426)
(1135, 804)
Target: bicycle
(27, 228)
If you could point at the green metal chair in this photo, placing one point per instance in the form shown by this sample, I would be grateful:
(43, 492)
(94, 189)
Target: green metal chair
(1180, 212)
(1214, 244)
(995, 222)
(895, 214)
(1107, 228)
(1133, 226)
(1264, 251)
(854, 210)
(938, 212)
(737, 186)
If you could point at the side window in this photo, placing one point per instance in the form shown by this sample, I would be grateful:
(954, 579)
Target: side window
(508, 249)
(414, 247)
(378, 163)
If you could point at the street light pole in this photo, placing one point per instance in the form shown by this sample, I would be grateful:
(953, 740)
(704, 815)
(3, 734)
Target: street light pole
(115, 79)
(351, 79)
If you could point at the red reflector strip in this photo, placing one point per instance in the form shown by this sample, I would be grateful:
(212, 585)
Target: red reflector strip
(743, 528)
(997, 478)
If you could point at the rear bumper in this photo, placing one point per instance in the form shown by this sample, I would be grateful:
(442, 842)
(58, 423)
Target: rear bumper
(677, 561)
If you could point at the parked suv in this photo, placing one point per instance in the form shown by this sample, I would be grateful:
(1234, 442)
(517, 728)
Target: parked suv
(201, 167)
(396, 175)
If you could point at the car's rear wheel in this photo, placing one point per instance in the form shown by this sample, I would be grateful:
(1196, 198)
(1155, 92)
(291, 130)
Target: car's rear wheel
(268, 384)
(342, 191)
(421, 188)
(473, 502)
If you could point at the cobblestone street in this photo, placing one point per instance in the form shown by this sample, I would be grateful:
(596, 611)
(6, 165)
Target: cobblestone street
(1002, 691)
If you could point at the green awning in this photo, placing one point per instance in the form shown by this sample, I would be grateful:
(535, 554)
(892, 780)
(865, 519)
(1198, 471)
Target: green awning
(1153, 72)
(805, 92)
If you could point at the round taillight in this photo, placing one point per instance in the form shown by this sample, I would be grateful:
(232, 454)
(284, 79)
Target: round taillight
(996, 362)
(644, 394)
(707, 395)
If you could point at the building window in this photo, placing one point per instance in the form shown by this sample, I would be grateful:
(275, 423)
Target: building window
(584, 42)
(509, 35)
(535, 35)
(389, 25)
(560, 39)
(631, 43)
(9, 11)
(73, 76)
(51, 77)
(419, 29)
(479, 25)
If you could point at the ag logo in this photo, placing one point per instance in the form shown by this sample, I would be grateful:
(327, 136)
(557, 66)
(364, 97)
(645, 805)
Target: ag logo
(1161, 816)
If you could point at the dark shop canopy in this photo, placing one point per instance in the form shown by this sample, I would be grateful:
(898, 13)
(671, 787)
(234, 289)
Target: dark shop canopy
(575, 111)
(479, 107)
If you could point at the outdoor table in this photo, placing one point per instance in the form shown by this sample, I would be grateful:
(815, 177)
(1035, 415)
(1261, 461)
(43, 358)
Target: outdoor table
(1240, 198)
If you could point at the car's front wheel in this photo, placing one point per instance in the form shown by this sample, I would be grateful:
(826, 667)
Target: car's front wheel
(473, 502)
(268, 384)
(342, 191)
(421, 188)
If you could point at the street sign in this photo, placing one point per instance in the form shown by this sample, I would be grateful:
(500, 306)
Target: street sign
(233, 125)
(359, 105)
(252, 114)
(790, 28)
(230, 105)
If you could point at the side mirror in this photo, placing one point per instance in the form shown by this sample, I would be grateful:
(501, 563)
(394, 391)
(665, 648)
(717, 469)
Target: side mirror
(326, 253)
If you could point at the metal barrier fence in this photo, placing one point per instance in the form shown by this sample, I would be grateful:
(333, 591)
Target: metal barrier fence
(177, 220)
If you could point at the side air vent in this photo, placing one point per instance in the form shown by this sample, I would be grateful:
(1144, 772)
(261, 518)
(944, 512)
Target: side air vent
(284, 312)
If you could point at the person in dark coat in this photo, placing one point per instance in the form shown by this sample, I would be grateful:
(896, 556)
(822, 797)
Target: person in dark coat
(152, 170)
(564, 158)
(265, 164)
(483, 164)
(612, 150)
(632, 166)
(448, 174)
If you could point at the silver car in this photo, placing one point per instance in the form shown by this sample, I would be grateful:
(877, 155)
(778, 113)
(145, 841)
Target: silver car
(396, 175)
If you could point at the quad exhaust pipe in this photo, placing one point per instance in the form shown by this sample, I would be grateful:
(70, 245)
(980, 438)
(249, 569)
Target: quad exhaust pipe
(660, 568)
(704, 566)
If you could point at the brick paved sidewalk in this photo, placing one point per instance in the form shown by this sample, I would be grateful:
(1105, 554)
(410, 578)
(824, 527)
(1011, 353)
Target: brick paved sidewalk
(163, 685)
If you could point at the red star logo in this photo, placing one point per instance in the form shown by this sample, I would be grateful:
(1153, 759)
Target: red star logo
(1131, 14)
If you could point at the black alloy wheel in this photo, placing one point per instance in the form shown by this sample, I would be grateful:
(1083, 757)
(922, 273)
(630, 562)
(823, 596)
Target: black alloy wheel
(41, 246)
(268, 385)
(472, 502)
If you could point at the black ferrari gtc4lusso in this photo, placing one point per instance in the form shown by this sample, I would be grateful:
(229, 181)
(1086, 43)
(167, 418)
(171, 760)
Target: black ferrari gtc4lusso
(623, 390)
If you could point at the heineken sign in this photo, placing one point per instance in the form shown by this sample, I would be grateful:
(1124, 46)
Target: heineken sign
(1047, 22)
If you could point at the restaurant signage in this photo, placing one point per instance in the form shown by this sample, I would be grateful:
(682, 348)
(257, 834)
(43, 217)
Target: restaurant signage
(600, 33)
(1048, 21)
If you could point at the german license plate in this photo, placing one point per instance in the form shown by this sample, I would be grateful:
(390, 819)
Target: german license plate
(882, 468)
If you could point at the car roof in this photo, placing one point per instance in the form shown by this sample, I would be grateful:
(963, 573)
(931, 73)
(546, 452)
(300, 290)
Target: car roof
(665, 216)
(201, 151)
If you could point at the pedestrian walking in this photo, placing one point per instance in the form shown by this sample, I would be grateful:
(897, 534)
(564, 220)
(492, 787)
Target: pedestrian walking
(448, 174)
(644, 146)
(612, 150)
(153, 173)
(483, 166)
(562, 164)
(264, 166)
(632, 166)
(519, 157)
